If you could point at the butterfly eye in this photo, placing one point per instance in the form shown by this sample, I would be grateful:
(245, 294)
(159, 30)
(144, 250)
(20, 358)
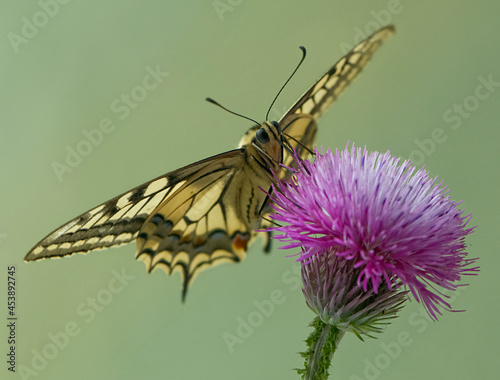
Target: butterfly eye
(262, 136)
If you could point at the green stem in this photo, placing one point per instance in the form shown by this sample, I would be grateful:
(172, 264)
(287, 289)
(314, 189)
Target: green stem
(322, 344)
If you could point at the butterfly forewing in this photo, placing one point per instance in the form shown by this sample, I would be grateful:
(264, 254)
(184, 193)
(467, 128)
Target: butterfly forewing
(111, 224)
(326, 90)
(118, 220)
(206, 213)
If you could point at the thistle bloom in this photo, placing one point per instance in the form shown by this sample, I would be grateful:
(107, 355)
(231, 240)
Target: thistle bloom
(392, 223)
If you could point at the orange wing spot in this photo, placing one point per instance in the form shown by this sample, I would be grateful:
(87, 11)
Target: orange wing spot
(240, 242)
(199, 240)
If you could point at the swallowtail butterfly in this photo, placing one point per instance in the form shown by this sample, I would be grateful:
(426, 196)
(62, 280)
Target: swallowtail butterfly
(206, 213)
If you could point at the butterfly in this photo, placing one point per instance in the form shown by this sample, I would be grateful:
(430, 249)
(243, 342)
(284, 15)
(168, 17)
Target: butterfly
(206, 213)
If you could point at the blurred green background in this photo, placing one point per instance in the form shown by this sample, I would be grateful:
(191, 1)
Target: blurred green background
(62, 80)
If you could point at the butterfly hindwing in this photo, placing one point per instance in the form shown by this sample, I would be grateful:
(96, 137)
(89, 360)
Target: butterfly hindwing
(209, 219)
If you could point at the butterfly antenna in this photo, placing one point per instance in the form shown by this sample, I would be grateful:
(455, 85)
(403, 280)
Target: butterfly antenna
(210, 100)
(288, 80)
(271, 221)
(299, 143)
(286, 147)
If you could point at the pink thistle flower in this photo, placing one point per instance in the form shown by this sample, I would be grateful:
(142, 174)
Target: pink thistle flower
(397, 225)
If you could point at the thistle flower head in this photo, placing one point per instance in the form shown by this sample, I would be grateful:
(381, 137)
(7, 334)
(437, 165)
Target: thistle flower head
(394, 224)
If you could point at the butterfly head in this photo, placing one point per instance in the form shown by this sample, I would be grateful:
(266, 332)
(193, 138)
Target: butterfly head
(263, 143)
(267, 131)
